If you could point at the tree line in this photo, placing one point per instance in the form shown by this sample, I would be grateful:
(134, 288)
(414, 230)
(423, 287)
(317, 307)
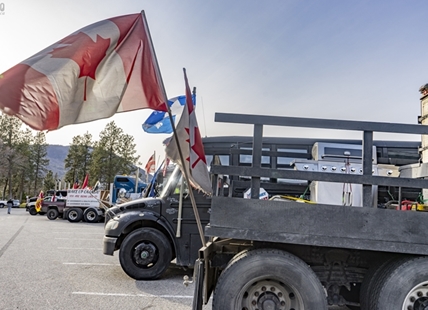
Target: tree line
(24, 162)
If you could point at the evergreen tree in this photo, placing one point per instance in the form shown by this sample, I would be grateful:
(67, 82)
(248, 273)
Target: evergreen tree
(72, 161)
(38, 159)
(25, 175)
(113, 154)
(10, 134)
(49, 181)
(79, 158)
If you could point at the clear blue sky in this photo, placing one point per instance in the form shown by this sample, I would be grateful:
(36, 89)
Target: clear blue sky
(359, 60)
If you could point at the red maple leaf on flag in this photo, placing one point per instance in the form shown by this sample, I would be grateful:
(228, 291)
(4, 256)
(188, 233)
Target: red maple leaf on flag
(197, 147)
(86, 52)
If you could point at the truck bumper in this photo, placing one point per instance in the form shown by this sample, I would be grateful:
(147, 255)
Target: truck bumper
(109, 245)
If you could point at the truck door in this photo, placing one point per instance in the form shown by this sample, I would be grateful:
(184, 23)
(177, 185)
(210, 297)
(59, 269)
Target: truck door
(186, 231)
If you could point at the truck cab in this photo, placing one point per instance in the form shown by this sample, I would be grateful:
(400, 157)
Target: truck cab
(151, 232)
(132, 185)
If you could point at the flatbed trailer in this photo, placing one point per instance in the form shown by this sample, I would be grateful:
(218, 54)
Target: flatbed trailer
(266, 254)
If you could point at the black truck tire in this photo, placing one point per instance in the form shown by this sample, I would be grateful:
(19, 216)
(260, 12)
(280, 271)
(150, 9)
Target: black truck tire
(370, 281)
(268, 279)
(74, 215)
(91, 215)
(145, 254)
(32, 211)
(52, 214)
(403, 285)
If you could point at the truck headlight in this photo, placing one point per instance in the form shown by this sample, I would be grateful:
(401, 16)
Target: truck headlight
(112, 225)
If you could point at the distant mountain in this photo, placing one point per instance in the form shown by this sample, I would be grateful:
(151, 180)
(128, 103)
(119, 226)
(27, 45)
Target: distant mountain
(56, 155)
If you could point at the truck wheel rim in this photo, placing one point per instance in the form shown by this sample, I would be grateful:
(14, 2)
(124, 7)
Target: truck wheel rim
(417, 298)
(270, 294)
(91, 215)
(145, 255)
(72, 215)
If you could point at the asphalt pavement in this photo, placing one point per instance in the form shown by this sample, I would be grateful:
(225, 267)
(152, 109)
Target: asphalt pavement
(60, 265)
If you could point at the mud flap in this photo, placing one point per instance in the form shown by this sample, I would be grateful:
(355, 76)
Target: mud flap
(198, 278)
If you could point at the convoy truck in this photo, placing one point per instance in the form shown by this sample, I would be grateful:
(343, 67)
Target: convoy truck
(77, 205)
(287, 254)
(133, 187)
(51, 195)
(148, 229)
(83, 204)
(152, 231)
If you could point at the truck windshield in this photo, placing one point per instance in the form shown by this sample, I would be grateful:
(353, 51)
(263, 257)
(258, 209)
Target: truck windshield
(171, 182)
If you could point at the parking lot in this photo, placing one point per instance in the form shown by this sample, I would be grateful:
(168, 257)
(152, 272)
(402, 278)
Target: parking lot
(59, 265)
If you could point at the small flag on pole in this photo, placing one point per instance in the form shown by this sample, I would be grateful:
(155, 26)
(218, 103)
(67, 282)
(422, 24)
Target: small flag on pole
(191, 145)
(38, 205)
(159, 121)
(76, 184)
(85, 181)
(151, 165)
(165, 167)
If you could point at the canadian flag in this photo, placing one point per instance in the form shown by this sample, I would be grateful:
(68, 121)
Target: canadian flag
(191, 145)
(104, 68)
(151, 165)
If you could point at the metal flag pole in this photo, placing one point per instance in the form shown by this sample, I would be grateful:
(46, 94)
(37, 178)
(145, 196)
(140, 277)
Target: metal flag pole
(159, 77)
(137, 178)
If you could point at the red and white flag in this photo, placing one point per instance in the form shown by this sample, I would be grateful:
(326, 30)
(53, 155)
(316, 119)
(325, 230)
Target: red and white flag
(76, 184)
(104, 68)
(85, 181)
(191, 145)
(165, 167)
(151, 165)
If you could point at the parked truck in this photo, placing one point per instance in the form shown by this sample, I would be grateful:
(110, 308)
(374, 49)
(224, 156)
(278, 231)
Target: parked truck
(150, 232)
(284, 253)
(77, 205)
(133, 187)
(51, 195)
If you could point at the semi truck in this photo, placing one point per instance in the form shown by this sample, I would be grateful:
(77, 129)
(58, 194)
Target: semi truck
(128, 183)
(285, 253)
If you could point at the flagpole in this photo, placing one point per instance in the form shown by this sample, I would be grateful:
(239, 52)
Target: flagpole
(137, 179)
(192, 197)
(186, 175)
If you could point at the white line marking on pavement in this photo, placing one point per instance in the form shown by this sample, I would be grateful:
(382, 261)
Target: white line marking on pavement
(131, 295)
(77, 233)
(74, 239)
(91, 264)
(98, 249)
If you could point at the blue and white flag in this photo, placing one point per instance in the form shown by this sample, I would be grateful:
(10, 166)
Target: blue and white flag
(159, 121)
